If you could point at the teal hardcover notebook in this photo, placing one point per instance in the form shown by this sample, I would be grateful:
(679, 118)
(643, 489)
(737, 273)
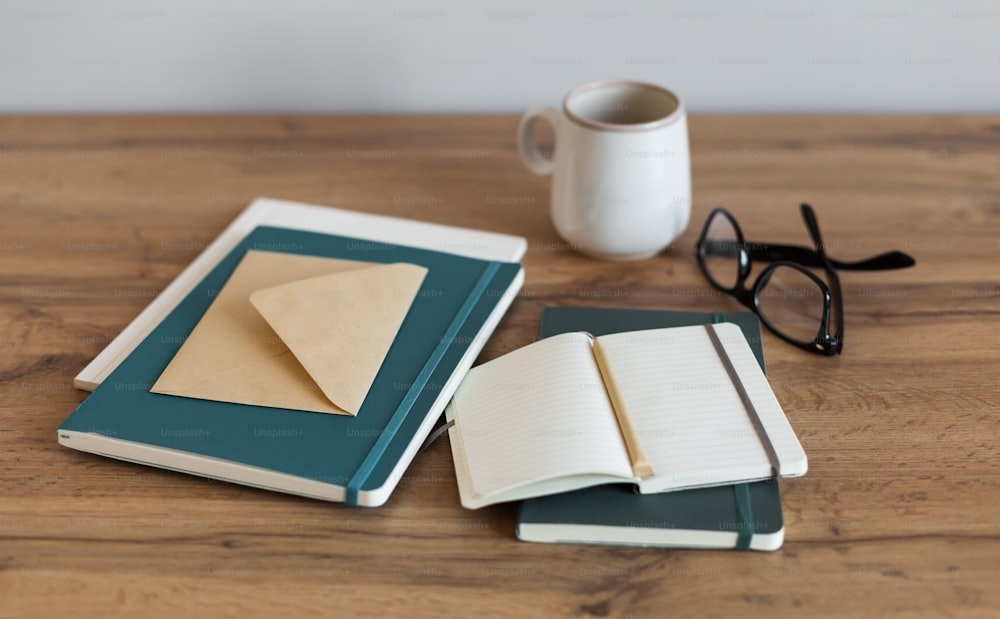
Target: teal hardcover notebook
(355, 459)
(744, 516)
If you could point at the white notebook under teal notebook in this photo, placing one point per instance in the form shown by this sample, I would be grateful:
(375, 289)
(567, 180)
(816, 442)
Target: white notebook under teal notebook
(666, 409)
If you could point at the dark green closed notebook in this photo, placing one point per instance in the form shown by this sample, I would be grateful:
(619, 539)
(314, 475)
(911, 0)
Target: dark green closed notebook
(358, 459)
(744, 516)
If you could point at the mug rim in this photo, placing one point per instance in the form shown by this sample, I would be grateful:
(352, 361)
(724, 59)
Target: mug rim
(669, 119)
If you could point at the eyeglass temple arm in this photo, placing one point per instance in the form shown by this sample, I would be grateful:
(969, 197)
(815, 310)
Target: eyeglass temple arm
(808, 257)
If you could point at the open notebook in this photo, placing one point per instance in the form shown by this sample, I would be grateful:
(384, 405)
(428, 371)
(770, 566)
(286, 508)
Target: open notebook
(666, 409)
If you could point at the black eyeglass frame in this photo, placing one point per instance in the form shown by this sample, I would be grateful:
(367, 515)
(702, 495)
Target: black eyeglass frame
(797, 258)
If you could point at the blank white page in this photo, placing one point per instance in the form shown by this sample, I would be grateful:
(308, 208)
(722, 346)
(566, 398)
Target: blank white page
(537, 413)
(688, 414)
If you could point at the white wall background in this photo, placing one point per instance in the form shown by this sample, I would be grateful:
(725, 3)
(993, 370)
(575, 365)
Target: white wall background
(479, 56)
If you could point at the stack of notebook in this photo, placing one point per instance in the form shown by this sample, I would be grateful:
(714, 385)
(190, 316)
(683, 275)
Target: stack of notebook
(307, 350)
(310, 350)
(630, 427)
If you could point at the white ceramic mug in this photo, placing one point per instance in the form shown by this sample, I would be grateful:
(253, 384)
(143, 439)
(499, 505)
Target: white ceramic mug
(621, 168)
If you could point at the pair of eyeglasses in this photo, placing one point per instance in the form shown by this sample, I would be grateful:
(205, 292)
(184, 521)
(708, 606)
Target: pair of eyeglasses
(791, 300)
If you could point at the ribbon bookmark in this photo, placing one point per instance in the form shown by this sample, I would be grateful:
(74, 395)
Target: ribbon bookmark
(435, 435)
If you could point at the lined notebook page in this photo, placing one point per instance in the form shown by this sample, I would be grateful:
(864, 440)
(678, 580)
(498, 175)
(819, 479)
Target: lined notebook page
(688, 415)
(537, 413)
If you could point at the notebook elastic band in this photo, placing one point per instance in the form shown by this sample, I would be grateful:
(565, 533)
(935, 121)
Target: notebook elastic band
(765, 441)
(744, 512)
(402, 411)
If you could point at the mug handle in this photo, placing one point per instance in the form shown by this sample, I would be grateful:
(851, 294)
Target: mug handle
(526, 146)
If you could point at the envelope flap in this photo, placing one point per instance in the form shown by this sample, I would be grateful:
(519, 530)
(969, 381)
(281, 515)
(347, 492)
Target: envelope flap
(340, 326)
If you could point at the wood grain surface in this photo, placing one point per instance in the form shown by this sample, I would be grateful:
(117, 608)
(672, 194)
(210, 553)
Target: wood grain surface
(899, 515)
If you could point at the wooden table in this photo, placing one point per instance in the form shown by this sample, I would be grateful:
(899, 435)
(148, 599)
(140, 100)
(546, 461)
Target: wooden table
(899, 514)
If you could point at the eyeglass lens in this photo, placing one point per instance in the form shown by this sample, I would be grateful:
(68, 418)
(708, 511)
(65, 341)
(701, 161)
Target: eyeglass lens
(721, 256)
(792, 302)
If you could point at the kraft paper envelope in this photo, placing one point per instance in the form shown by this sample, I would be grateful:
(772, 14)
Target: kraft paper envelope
(293, 331)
